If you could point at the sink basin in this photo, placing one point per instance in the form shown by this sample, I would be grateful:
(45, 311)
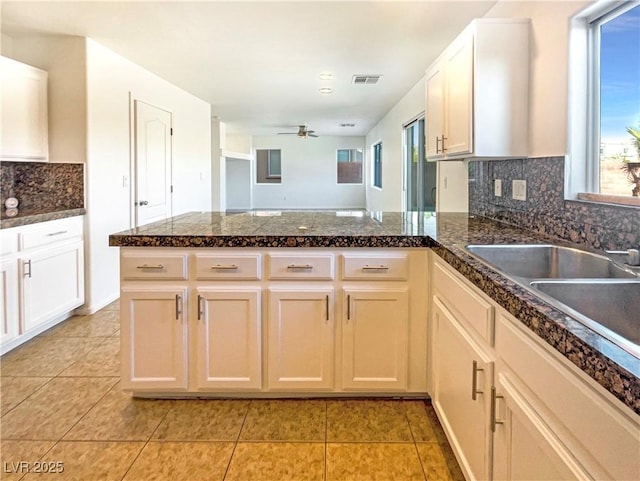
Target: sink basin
(614, 305)
(548, 262)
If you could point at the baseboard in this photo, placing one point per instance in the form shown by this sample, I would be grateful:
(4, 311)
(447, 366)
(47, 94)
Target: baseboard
(88, 310)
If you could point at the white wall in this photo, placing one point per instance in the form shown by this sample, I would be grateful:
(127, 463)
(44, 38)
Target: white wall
(390, 132)
(309, 174)
(111, 80)
(238, 183)
(549, 69)
(90, 90)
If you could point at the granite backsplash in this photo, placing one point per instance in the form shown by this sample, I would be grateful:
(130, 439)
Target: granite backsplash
(42, 187)
(595, 225)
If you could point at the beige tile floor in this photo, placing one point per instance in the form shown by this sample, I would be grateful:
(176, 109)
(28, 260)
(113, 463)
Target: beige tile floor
(62, 406)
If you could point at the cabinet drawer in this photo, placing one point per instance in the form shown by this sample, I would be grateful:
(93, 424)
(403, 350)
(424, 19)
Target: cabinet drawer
(38, 235)
(393, 267)
(155, 267)
(225, 266)
(303, 266)
(461, 299)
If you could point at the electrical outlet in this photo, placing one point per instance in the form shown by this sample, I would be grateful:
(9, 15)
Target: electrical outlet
(519, 189)
(497, 187)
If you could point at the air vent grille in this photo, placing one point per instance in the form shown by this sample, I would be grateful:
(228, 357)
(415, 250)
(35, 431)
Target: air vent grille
(347, 125)
(366, 79)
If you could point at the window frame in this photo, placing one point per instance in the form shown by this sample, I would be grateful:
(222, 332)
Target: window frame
(376, 165)
(352, 159)
(593, 18)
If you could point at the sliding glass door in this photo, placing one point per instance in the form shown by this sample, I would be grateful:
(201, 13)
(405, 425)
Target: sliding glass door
(421, 175)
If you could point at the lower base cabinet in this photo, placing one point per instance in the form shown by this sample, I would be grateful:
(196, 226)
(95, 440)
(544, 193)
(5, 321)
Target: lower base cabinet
(535, 415)
(228, 338)
(8, 300)
(374, 339)
(300, 339)
(154, 343)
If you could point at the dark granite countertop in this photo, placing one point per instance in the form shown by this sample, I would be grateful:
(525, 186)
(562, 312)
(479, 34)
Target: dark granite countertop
(26, 217)
(611, 366)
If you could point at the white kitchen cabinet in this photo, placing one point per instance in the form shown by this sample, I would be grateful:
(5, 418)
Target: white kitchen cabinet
(477, 93)
(300, 339)
(525, 448)
(52, 283)
(24, 112)
(228, 338)
(42, 277)
(374, 339)
(9, 300)
(548, 419)
(463, 377)
(153, 328)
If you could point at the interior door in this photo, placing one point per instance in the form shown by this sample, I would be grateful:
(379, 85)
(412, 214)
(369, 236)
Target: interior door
(421, 175)
(152, 136)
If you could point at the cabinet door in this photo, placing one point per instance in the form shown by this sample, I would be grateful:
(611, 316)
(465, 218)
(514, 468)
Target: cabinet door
(153, 338)
(24, 111)
(228, 338)
(524, 447)
(459, 96)
(300, 334)
(8, 300)
(52, 283)
(434, 112)
(462, 385)
(374, 339)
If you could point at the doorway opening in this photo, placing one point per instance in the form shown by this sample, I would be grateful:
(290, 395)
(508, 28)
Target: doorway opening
(420, 174)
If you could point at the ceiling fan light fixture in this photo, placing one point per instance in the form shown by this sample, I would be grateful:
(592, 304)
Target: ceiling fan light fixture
(325, 90)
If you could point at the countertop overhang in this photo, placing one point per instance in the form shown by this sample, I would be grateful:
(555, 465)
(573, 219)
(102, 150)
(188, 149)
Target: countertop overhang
(445, 233)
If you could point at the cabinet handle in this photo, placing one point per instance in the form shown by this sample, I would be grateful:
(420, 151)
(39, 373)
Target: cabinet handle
(326, 304)
(27, 273)
(348, 307)
(145, 266)
(437, 145)
(199, 306)
(57, 233)
(229, 267)
(375, 268)
(444, 149)
(178, 310)
(474, 381)
(299, 266)
(493, 419)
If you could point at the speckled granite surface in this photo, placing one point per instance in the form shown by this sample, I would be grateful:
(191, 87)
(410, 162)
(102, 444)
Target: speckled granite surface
(42, 188)
(446, 234)
(27, 218)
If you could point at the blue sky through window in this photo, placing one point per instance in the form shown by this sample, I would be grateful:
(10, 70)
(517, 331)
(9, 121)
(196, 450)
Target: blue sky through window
(620, 75)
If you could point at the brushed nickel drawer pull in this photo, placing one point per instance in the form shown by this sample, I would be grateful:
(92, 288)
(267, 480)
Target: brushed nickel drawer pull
(493, 421)
(221, 267)
(326, 302)
(199, 306)
(27, 273)
(145, 266)
(299, 266)
(178, 310)
(381, 267)
(57, 233)
(348, 307)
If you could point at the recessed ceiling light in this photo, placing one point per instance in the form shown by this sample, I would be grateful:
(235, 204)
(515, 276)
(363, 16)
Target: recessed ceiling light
(326, 76)
(326, 90)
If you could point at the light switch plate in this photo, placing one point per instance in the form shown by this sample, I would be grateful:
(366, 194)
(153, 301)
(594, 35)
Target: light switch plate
(497, 187)
(519, 189)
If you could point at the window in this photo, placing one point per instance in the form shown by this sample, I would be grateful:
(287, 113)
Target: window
(268, 166)
(615, 95)
(349, 166)
(377, 165)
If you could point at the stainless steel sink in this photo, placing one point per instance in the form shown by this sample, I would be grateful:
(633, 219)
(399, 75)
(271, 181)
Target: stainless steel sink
(614, 305)
(548, 262)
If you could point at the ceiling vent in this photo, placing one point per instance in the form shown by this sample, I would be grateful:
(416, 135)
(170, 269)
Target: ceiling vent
(366, 79)
(347, 125)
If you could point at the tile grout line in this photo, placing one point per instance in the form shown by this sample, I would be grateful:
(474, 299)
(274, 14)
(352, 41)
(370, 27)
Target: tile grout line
(35, 391)
(415, 444)
(235, 445)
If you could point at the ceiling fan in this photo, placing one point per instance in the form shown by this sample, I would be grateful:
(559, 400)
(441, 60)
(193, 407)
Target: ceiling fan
(302, 132)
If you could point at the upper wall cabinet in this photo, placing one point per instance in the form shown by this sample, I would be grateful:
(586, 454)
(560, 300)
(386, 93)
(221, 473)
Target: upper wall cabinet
(477, 98)
(23, 90)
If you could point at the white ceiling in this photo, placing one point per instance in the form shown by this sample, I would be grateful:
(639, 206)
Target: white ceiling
(258, 63)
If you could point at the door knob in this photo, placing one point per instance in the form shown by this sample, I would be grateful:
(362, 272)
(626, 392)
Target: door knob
(143, 202)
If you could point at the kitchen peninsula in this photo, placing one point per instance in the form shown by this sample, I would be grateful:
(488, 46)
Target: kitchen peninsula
(290, 304)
